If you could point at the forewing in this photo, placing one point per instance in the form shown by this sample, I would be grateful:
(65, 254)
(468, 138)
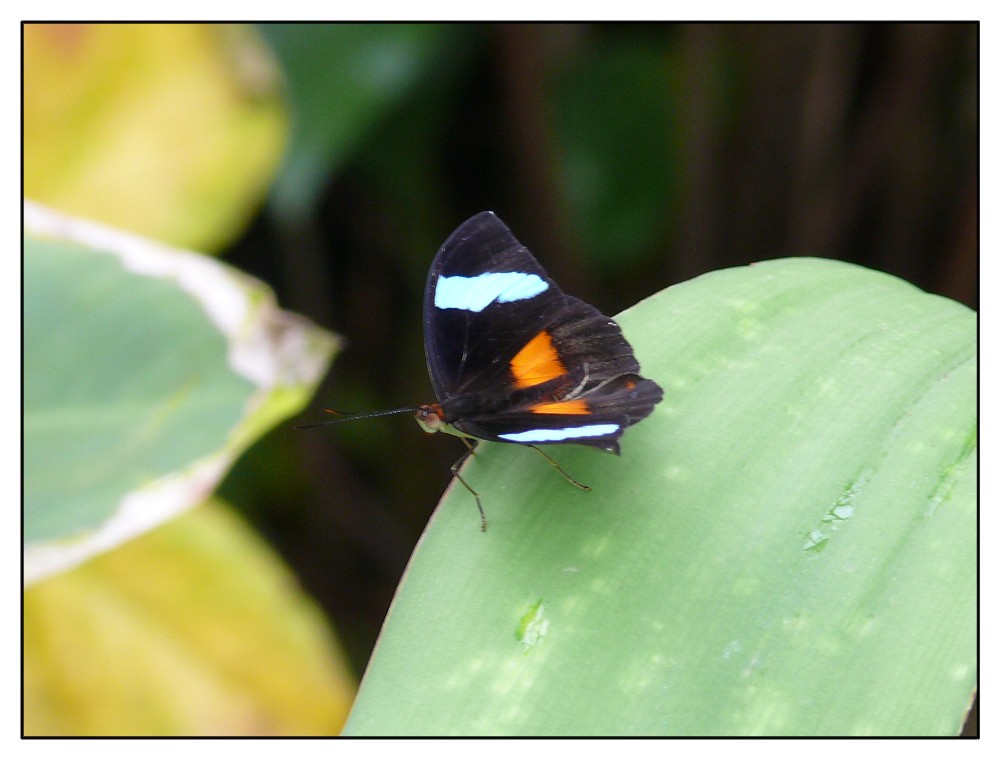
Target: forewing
(485, 298)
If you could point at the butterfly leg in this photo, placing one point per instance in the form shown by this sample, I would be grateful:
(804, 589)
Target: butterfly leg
(470, 450)
(562, 472)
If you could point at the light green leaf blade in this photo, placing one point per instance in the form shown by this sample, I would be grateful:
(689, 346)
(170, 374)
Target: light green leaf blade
(786, 547)
(147, 371)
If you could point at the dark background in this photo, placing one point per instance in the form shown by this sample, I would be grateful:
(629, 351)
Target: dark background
(627, 157)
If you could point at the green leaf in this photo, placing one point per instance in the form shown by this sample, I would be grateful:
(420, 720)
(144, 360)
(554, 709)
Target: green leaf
(341, 79)
(787, 546)
(147, 371)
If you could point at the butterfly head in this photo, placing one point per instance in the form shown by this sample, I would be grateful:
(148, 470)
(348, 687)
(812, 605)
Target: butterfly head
(431, 418)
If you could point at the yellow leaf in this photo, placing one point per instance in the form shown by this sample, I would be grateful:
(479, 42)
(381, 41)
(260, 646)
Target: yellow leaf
(173, 131)
(193, 629)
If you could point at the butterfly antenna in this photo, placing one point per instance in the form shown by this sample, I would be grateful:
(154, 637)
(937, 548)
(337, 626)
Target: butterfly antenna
(347, 416)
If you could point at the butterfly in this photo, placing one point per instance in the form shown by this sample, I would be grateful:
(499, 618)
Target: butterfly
(513, 359)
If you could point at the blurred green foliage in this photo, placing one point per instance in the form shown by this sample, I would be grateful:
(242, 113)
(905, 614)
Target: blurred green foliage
(342, 79)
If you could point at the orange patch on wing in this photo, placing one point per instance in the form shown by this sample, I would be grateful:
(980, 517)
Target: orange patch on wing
(537, 362)
(577, 406)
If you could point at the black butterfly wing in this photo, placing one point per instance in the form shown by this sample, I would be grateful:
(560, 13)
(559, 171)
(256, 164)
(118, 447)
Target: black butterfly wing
(512, 358)
(610, 411)
(481, 265)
